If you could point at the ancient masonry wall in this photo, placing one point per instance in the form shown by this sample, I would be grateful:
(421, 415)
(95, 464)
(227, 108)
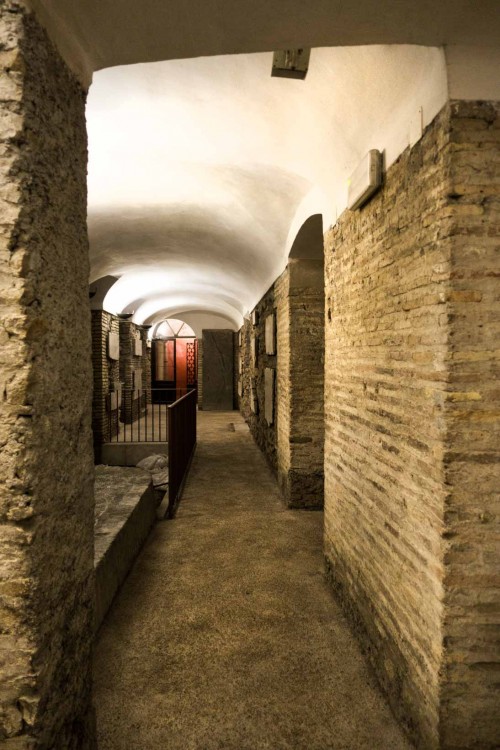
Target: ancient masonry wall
(283, 383)
(46, 464)
(304, 486)
(135, 371)
(293, 442)
(236, 368)
(411, 413)
(106, 378)
(252, 401)
(471, 669)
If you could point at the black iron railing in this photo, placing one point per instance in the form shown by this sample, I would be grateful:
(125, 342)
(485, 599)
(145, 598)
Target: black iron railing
(140, 415)
(181, 421)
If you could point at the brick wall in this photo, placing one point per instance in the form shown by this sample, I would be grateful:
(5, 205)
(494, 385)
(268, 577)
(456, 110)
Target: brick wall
(471, 407)
(407, 502)
(106, 376)
(134, 400)
(307, 348)
(293, 443)
(283, 382)
(46, 462)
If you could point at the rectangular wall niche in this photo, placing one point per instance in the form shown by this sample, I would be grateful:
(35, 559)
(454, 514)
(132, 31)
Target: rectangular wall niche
(270, 338)
(113, 345)
(269, 395)
(138, 347)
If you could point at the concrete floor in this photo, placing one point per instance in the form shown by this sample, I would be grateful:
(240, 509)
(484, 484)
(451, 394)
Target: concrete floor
(226, 635)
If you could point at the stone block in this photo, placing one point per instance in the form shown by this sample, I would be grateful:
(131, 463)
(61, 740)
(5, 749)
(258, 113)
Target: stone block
(113, 345)
(218, 369)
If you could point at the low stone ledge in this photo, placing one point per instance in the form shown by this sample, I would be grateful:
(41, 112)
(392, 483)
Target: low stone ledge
(130, 453)
(125, 513)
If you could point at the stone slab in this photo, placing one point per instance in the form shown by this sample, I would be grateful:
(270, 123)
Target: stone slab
(125, 513)
(113, 345)
(218, 367)
(129, 454)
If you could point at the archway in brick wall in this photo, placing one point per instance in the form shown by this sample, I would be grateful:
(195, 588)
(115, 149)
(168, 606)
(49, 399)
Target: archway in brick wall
(300, 387)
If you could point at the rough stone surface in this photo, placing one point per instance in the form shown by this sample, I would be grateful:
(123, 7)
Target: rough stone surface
(304, 483)
(470, 715)
(135, 371)
(218, 359)
(106, 372)
(255, 361)
(226, 634)
(411, 414)
(124, 514)
(293, 441)
(46, 469)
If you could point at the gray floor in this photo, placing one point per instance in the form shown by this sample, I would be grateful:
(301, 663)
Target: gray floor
(226, 634)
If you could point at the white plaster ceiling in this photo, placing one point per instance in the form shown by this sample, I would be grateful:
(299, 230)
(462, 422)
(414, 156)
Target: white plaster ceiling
(202, 171)
(96, 34)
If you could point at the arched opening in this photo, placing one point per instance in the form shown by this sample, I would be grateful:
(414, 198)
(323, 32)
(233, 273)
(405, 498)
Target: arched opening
(174, 360)
(302, 480)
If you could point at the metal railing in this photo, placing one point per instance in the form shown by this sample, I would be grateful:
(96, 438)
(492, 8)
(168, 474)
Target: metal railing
(140, 415)
(181, 420)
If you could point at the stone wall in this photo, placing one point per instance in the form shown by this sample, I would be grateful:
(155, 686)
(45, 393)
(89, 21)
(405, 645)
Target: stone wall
(252, 400)
(283, 382)
(218, 369)
(46, 464)
(236, 368)
(293, 442)
(303, 486)
(471, 408)
(106, 378)
(135, 371)
(410, 418)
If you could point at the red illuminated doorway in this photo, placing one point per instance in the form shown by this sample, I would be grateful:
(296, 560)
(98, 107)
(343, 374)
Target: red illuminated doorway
(174, 360)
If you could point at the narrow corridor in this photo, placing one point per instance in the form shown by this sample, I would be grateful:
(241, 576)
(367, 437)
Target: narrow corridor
(226, 634)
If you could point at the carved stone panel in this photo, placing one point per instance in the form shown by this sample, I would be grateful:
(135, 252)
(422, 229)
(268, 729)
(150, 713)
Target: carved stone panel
(113, 345)
(218, 365)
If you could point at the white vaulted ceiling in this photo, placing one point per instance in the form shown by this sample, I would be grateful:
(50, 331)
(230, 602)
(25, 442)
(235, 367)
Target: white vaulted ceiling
(203, 169)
